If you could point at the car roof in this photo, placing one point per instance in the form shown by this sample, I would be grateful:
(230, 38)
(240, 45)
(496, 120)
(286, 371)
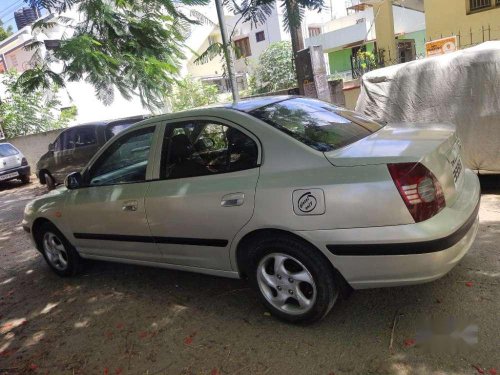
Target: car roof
(244, 105)
(107, 122)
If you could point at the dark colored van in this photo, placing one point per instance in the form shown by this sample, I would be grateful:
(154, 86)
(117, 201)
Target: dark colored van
(75, 146)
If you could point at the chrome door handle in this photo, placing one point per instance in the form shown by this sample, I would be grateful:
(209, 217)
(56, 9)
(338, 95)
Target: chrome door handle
(129, 206)
(231, 200)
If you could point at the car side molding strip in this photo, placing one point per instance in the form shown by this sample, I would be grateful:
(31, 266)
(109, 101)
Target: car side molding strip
(151, 239)
(406, 248)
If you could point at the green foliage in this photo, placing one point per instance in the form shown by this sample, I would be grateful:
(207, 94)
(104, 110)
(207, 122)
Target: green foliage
(275, 70)
(134, 46)
(191, 93)
(5, 33)
(35, 112)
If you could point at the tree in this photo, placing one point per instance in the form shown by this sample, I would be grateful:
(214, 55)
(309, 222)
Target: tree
(257, 11)
(134, 46)
(35, 112)
(275, 70)
(191, 93)
(5, 32)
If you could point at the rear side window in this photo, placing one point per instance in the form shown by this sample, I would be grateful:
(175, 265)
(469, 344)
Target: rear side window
(84, 136)
(317, 124)
(7, 149)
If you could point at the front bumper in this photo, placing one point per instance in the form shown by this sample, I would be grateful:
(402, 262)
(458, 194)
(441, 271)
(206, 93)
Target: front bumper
(404, 254)
(24, 170)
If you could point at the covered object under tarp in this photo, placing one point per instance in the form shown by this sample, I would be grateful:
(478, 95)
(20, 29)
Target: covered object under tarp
(461, 88)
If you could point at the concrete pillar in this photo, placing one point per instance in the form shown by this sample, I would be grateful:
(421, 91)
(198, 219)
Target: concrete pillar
(384, 28)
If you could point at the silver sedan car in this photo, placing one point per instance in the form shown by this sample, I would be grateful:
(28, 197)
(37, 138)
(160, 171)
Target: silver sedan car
(305, 199)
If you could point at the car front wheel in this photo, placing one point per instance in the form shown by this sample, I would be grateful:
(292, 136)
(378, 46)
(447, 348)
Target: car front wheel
(59, 254)
(294, 282)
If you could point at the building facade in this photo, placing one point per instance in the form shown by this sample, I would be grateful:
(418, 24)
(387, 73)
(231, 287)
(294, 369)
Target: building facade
(473, 21)
(250, 42)
(343, 38)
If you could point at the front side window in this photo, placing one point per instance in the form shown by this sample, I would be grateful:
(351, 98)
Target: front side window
(200, 148)
(318, 124)
(7, 150)
(125, 161)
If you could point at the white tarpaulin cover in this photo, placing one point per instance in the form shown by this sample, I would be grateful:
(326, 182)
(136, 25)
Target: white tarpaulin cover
(462, 88)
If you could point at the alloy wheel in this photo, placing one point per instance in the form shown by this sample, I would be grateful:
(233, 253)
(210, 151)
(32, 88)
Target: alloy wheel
(55, 251)
(286, 283)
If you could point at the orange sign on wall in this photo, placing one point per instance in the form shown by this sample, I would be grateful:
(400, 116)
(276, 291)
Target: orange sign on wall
(441, 46)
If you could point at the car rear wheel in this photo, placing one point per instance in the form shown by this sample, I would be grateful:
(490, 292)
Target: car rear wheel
(59, 254)
(293, 280)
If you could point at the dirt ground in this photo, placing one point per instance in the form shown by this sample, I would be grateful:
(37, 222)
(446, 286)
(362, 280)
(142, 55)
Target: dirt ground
(120, 319)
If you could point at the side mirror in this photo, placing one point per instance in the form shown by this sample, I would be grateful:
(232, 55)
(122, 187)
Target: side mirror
(51, 147)
(73, 181)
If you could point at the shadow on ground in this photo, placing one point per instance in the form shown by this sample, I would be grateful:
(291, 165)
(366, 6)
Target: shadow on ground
(121, 319)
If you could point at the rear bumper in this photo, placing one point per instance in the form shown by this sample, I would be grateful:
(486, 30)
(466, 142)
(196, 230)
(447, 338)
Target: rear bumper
(404, 254)
(24, 170)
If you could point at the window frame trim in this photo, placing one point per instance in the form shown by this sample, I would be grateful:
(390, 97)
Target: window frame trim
(216, 119)
(468, 10)
(151, 157)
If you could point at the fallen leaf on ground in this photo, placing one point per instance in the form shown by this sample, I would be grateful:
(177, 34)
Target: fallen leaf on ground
(409, 342)
(478, 369)
(120, 326)
(469, 284)
(33, 367)
(214, 371)
(267, 314)
(118, 371)
(189, 339)
(493, 371)
(106, 371)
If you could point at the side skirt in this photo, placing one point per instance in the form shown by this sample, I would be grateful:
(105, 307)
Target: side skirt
(206, 271)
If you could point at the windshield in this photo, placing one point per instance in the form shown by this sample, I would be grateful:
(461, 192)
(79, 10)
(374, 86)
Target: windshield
(318, 124)
(7, 150)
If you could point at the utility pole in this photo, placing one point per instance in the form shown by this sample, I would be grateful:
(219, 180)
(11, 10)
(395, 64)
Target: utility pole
(228, 54)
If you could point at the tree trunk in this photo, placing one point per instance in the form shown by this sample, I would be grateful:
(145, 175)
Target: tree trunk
(295, 33)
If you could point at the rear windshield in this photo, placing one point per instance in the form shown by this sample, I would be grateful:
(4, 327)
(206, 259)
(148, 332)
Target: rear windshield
(7, 150)
(318, 124)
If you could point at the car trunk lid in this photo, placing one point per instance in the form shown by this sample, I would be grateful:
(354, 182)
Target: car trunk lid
(434, 145)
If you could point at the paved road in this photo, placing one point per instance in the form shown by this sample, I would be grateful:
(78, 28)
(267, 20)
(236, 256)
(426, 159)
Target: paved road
(118, 319)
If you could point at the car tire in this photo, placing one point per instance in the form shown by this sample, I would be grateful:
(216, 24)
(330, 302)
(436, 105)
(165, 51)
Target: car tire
(59, 254)
(49, 181)
(306, 281)
(25, 179)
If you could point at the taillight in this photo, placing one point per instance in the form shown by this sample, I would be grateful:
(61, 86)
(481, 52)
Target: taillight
(419, 188)
(24, 161)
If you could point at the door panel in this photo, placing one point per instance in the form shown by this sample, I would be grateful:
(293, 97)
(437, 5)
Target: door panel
(189, 221)
(103, 223)
(107, 217)
(205, 192)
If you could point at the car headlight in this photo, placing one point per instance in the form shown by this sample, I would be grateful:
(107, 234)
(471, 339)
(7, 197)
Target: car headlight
(28, 209)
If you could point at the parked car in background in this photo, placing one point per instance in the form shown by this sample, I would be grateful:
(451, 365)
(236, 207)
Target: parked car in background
(13, 164)
(301, 197)
(75, 146)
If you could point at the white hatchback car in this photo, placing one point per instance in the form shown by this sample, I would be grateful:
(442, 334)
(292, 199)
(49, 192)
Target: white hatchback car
(13, 164)
(302, 197)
